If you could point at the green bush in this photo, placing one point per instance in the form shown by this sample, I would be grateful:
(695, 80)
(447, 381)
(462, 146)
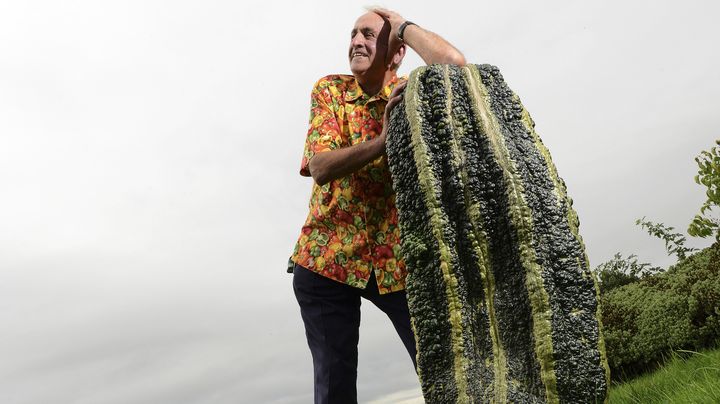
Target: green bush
(621, 271)
(677, 309)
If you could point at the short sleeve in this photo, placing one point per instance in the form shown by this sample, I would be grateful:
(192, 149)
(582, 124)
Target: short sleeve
(323, 132)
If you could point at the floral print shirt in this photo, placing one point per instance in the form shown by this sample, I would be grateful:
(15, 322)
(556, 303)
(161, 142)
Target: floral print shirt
(352, 227)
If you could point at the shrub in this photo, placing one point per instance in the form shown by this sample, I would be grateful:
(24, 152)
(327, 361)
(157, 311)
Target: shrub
(678, 309)
(621, 271)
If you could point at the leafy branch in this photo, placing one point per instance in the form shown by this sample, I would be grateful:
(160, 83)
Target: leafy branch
(708, 175)
(674, 242)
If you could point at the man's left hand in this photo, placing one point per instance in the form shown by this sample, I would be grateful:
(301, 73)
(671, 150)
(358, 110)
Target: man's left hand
(395, 97)
(395, 20)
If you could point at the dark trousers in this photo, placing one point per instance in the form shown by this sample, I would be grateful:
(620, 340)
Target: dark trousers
(331, 313)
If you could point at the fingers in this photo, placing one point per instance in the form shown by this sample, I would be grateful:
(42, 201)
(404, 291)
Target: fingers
(391, 16)
(385, 13)
(392, 103)
(398, 89)
(395, 96)
(381, 11)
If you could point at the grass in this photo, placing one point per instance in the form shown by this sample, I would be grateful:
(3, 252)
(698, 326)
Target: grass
(689, 377)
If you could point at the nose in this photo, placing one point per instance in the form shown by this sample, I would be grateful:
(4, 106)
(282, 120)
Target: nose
(356, 40)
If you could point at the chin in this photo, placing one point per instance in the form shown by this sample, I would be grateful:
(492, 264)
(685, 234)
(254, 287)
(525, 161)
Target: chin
(357, 71)
(359, 65)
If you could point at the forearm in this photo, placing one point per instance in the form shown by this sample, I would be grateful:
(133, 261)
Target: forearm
(334, 164)
(431, 47)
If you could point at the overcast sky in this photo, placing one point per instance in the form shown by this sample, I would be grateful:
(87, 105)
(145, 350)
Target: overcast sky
(149, 187)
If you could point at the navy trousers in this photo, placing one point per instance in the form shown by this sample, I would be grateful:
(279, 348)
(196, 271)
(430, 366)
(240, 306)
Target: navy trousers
(331, 313)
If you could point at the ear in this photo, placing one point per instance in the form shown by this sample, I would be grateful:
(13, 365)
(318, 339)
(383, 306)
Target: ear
(397, 58)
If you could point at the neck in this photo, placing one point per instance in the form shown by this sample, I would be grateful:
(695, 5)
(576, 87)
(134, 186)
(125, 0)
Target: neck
(372, 87)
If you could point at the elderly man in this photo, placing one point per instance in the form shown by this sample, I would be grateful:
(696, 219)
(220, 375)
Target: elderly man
(349, 246)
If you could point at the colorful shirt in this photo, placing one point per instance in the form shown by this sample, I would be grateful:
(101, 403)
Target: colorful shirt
(352, 227)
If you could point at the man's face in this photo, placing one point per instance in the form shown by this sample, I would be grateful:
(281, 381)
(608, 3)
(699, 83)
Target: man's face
(368, 47)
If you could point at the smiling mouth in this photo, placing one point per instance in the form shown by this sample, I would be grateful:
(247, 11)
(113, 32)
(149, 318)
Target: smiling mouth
(357, 54)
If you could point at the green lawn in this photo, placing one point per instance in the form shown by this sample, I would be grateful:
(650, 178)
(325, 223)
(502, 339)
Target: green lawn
(695, 379)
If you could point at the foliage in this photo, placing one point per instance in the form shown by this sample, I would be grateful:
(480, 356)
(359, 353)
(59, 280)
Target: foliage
(708, 175)
(621, 271)
(680, 308)
(674, 242)
(688, 377)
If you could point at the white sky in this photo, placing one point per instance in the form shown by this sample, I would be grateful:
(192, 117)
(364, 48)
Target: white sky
(149, 194)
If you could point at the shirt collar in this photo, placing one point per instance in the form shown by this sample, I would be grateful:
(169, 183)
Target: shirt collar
(355, 92)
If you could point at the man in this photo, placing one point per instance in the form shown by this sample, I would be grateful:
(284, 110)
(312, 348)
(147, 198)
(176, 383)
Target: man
(349, 246)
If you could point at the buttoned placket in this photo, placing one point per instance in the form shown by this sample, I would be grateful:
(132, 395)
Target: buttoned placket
(362, 102)
(370, 228)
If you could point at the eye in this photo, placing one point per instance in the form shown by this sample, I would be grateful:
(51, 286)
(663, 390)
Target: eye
(368, 33)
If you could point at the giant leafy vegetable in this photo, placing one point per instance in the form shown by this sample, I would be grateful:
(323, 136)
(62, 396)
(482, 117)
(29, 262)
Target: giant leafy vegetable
(503, 304)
